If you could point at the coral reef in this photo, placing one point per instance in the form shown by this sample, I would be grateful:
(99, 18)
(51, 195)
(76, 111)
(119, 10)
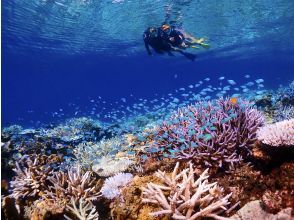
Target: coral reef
(227, 160)
(183, 197)
(84, 211)
(31, 180)
(107, 157)
(74, 130)
(214, 134)
(108, 166)
(110, 188)
(278, 134)
(128, 205)
(72, 184)
(285, 113)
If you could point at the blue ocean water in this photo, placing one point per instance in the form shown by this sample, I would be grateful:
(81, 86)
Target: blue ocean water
(65, 58)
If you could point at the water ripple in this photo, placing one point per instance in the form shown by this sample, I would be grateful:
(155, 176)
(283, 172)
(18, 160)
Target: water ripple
(115, 27)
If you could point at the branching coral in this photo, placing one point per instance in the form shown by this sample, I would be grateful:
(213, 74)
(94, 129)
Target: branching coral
(84, 211)
(33, 178)
(72, 184)
(284, 113)
(214, 134)
(110, 189)
(183, 197)
(277, 134)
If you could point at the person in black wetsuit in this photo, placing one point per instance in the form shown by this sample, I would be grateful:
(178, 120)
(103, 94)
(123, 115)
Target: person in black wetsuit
(152, 38)
(157, 39)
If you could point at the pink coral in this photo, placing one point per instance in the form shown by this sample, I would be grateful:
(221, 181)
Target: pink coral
(277, 134)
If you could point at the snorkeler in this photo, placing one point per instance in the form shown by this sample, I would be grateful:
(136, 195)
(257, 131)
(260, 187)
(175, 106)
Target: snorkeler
(180, 39)
(153, 37)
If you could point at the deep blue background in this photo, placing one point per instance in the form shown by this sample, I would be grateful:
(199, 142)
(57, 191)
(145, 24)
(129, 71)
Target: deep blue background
(45, 82)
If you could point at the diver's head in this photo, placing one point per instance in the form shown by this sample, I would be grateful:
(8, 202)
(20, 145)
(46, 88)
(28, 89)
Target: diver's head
(166, 28)
(152, 32)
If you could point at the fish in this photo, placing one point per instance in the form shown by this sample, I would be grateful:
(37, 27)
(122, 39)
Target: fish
(232, 82)
(234, 100)
(259, 81)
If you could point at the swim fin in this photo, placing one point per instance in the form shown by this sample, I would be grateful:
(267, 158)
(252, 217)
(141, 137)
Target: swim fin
(206, 46)
(189, 56)
(194, 47)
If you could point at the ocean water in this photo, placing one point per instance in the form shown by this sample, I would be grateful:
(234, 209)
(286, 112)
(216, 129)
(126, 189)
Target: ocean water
(88, 117)
(61, 52)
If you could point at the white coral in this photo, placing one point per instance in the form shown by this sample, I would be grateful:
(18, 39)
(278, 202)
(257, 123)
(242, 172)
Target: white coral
(108, 166)
(111, 186)
(85, 210)
(183, 197)
(277, 134)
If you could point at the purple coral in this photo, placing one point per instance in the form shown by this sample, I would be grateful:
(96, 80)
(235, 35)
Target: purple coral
(215, 134)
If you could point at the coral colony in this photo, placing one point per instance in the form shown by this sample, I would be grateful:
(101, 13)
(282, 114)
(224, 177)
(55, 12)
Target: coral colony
(277, 134)
(184, 197)
(199, 152)
(218, 133)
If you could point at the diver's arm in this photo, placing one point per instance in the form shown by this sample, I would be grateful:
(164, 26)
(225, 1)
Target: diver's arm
(145, 37)
(147, 47)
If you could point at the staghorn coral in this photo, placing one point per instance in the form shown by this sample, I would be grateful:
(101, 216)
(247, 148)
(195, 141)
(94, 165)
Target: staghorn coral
(111, 186)
(277, 134)
(72, 184)
(85, 210)
(213, 134)
(183, 197)
(33, 178)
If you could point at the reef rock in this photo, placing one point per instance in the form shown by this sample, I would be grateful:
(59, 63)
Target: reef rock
(253, 210)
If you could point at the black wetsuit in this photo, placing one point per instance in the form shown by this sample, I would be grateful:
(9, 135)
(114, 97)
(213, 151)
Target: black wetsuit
(159, 44)
(178, 37)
